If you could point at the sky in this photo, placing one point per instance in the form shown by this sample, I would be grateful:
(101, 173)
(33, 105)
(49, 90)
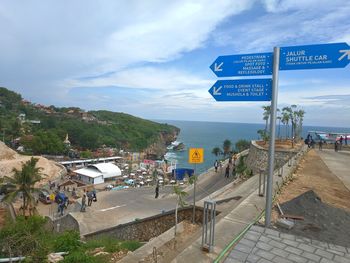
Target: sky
(151, 58)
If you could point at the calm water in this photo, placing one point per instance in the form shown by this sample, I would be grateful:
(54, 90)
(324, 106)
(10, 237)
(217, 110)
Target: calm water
(208, 135)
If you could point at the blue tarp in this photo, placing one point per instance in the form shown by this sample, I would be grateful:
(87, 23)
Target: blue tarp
(180, 173)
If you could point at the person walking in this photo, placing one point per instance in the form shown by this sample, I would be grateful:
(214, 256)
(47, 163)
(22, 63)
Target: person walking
(83, 203)
(336, 146)
(233, 170)
(157, 191)
(216, 165)
(341, 142)
(320, 145)
(90, 198)
(227, 171)
(61, 207)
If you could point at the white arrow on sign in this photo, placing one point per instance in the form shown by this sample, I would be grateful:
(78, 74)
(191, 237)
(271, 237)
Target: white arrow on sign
(218, 67)
(346, 53)
(216, 91)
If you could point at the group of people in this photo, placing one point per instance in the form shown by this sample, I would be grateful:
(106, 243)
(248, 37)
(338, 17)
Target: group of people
(91, 196)
(230, 168)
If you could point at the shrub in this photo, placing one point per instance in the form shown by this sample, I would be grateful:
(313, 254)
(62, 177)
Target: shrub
(67, 241)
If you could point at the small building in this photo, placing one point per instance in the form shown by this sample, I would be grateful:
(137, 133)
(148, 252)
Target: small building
(97, 173)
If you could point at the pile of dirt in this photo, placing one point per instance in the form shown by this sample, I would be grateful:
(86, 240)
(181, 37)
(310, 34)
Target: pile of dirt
(10, 159)
(321, 221)
(6, 152)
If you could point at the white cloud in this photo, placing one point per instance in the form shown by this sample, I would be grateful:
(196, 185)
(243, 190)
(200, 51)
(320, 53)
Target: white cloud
(306, 22)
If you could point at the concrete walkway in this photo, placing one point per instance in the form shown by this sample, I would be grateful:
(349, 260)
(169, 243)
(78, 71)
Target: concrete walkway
(237, 220)
(338, 163)
(261, 245)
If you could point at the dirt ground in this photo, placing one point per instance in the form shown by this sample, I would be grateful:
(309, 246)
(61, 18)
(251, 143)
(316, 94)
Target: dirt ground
(282, 144)
(318, 195)
(313, 174)
(170, 249)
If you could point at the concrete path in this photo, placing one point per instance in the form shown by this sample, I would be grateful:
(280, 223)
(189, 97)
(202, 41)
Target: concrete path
(261, 245)
(338, 163)
(234, 222)
(123, 206)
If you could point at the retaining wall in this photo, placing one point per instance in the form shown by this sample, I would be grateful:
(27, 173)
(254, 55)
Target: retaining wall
(147, 228)
(258, 157)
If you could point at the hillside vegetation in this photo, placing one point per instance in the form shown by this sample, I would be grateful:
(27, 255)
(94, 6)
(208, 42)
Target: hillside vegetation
(86, 130)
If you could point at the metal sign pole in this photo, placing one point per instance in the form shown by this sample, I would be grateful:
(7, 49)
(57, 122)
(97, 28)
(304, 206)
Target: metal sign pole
(276, 59)
(194, 195)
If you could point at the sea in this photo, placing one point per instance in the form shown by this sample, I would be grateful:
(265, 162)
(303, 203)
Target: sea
(207, 135)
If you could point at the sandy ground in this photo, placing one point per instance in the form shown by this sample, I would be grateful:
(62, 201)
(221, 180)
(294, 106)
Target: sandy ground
(9, 159)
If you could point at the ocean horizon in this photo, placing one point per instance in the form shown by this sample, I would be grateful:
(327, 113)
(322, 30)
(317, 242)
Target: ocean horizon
(207, 135)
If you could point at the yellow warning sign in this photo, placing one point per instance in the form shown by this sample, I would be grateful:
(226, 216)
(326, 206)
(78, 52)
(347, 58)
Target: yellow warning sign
(196, 155)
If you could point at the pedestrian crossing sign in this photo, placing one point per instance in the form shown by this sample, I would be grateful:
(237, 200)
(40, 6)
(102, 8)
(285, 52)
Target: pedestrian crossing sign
(196, 155)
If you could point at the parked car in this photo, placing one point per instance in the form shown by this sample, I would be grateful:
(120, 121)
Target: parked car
(44, 196)
(6, 188)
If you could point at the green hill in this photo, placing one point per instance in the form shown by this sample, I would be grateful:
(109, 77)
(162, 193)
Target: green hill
(42, 129)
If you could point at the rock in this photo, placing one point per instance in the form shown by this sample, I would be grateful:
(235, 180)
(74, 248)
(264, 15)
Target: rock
(52, 258)
(101, 253)
(285, 223)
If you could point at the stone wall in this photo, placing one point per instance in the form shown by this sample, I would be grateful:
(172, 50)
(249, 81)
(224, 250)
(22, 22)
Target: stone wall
(258, 157)
(66, 222)
(147, 228)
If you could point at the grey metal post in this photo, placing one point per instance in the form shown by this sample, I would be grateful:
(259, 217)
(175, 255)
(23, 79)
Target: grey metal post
(208, 243)
(276, 59)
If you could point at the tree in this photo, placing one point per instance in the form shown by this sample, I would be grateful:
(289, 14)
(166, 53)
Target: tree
(179, 202)
(216, 151)
(266, 116)
(263, 135)
(23, 182)
(286, 116)
(301, 114)
(242, 145)
(226, 147)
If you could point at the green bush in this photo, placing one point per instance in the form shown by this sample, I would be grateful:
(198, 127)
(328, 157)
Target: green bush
(67, 241)
(79, 256)
(27, 237)
(130, 245)
(110, 245)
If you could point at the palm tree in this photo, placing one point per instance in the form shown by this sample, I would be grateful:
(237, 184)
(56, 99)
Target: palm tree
(266, 115)
(226, 147)
(179, 202)
(301, 114)
(23, 182)
(286, 112)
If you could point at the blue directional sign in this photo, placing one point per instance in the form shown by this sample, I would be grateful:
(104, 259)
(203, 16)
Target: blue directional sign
(242, 90)
(243, 65)
(336, 55)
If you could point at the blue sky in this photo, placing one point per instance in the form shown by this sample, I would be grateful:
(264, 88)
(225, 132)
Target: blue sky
(151, 58)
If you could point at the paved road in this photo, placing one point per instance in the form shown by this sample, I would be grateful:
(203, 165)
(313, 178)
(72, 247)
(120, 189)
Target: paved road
(122, 206)
(338, 163)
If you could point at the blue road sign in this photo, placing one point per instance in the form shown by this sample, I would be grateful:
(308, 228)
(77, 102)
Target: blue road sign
(243, 65)
(336, 55)
(242, 90)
